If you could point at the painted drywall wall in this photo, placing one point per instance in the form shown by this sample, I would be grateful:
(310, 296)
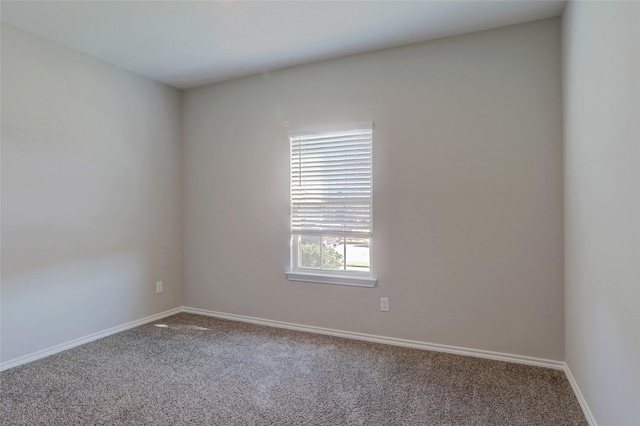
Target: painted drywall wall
(468, 223)
(91, 184)
(601, 75)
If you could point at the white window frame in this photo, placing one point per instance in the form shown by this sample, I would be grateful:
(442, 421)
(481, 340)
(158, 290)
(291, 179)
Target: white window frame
(326, 276)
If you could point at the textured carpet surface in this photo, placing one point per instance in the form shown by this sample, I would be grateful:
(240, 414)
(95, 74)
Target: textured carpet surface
(196, 370)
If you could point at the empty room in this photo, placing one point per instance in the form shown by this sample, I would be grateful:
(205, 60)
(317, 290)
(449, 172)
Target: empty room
(320, 213)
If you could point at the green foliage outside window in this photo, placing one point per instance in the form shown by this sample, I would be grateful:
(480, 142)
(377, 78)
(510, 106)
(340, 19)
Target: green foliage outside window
(311, 257)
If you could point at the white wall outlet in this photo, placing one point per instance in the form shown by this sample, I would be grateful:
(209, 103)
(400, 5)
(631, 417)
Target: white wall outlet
(159, 287)
(384, 304)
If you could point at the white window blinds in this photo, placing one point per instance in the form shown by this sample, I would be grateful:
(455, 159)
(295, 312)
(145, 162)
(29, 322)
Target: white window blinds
(331, 181)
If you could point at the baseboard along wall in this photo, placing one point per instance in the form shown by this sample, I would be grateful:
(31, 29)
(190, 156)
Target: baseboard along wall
(539, 362)
(498, 356)
(86, 339)
(583, 402)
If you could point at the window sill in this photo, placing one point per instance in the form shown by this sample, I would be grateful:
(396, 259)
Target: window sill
(331, 279)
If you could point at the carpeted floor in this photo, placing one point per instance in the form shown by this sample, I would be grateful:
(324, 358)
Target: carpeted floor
(195, 370)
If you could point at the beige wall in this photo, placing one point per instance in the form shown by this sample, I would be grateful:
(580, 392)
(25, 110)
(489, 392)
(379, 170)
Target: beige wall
(601, 73)
(90, 195)
(468, 225)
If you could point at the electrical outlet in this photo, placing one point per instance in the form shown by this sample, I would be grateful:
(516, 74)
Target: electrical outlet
(384, 304)
(159, 287)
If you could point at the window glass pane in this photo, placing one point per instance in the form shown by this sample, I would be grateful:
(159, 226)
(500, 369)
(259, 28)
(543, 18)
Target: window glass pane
(332, 253)
(358, 254)
(309, 255)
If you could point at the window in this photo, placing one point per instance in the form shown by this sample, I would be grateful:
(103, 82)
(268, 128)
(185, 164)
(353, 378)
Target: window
(331, 205)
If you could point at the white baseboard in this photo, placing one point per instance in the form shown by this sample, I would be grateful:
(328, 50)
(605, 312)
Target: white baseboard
(499, 356)
(86, 339)
(583, 402)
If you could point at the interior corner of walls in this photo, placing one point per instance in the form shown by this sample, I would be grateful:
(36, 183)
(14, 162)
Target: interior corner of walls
(579, 396)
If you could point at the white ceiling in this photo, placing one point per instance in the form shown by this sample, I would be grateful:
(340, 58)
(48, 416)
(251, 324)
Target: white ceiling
(191, 43)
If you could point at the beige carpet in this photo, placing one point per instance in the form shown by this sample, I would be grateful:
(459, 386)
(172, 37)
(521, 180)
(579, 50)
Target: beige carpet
(195, 370)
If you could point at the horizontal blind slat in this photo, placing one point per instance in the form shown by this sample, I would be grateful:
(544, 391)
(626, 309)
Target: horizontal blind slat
(331, 137)
(331, 178)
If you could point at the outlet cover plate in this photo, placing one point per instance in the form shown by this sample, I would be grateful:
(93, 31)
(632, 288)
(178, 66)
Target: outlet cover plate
(384, 304)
